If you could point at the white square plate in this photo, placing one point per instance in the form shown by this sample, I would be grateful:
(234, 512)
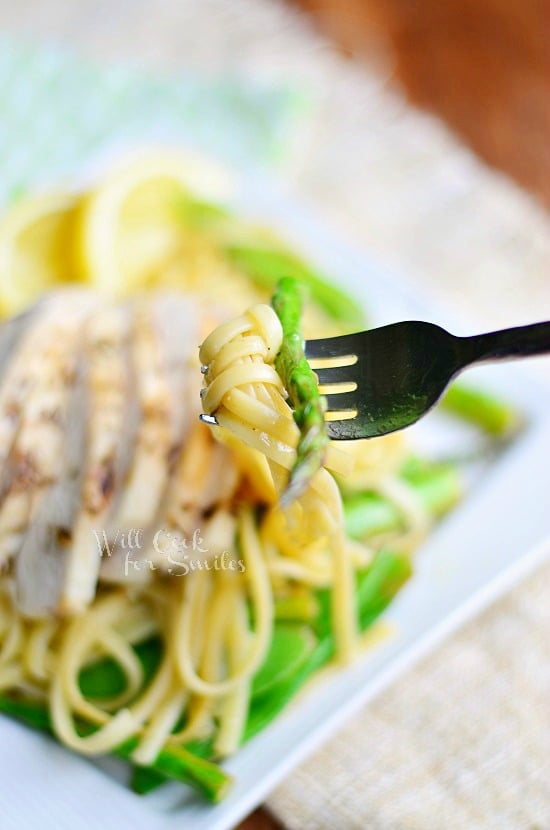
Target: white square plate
(482, 548)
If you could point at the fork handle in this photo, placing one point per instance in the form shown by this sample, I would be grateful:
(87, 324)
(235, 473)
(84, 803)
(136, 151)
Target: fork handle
(506, 344)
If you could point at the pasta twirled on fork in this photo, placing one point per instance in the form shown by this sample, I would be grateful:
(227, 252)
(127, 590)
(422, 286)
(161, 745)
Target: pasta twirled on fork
(306, 540)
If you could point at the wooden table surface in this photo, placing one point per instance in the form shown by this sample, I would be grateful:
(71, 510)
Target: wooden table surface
(482, 65)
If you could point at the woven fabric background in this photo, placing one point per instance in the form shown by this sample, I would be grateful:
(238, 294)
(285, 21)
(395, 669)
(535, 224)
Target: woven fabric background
(461, 741)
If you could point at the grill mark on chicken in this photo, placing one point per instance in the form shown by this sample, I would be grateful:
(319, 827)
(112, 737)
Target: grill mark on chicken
(21, 459)
(52, 433)
(108, 391)
(204, 476)
(98, 408)
(154, 438)
(42, 560)
(165, 360)
(108, 395)
(101, 486)
(202, 487)
(22, 346)
(11, 333)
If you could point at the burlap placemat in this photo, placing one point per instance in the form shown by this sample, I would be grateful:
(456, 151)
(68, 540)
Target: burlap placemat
(459, 742)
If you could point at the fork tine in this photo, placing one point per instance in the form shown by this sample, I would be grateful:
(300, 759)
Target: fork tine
(341, 401)
(331, 346)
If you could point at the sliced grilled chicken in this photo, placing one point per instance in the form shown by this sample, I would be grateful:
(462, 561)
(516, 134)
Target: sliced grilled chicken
(204, 481)
(22, 343)
(11, 334)
(164, 348)
(99, 438)
(14, 385)
(178, 321)
(49, 508)
(38, 510)
(205, 478)
(22, 375)
(111, 422)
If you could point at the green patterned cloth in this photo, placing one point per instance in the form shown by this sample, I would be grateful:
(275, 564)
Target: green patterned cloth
(58, 111)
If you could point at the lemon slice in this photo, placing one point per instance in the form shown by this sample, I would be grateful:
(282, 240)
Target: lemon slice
(131, 225)
(35, 252)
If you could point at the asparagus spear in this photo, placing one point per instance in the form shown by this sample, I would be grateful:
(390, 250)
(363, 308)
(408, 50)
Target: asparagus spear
(265, 262)
(301, 385)
(379, 584)
(178, 763)
(262, 261)
(291, 645)
(482, 409)
(376, 588)
(267, 265)
(144, 780)
(368, 513)
(175, 762)
(301, 607)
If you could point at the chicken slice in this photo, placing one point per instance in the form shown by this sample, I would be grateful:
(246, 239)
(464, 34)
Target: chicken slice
(22, 343)
(37, 511)
(11, 334)
(22, 375)
(201, 489)
(165, 357)
(111, 420)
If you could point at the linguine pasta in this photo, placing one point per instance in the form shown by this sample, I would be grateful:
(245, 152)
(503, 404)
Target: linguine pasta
(159, 584)
(214, 626)
(245, 393)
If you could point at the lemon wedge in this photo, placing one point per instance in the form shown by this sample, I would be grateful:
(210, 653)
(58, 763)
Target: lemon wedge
(130, 226)
(34, 250)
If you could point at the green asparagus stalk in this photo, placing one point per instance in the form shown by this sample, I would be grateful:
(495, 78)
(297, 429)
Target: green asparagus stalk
(368, 513)
(482, 409)
(439, 486)
(376, 588)
(173, 761)
(178, 763)
(265, 261)
(266, 266)
(296, 608)
(144, 780)
(104, 678)
(301, 385)
(266, 708)
(30, 712)
(291, 645)
(379, 584)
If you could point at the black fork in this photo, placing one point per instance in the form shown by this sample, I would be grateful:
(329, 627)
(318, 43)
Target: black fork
(387, 378)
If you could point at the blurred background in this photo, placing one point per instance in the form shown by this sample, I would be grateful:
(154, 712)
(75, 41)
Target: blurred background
(484, 67)
(421, 130)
